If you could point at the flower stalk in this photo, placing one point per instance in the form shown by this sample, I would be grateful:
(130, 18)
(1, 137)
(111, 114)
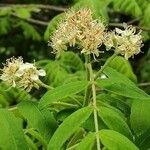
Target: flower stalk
(94, 105)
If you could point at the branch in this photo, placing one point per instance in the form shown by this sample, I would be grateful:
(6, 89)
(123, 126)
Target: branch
(144, 84)
(121, 26)
(50, 7)
(38, 22)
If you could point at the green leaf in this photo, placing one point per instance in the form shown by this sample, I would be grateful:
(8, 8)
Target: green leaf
(42, 120)
(4, 25)
(71, 62)
(99, 8)
(122, 86)
(11, 133)
(143, 140)
(123, 66)
(56, 75)
(87, 143)
(23, 12)
(68, 127)
(144, 21)
(117, 76)
(140, 116)
(115, 141)
(128, 7)
(4, 11)
(61, 92)
(53, 25)
(114, 121)
(113, 101)
(31, 144)
(78, 135)
(29, 31)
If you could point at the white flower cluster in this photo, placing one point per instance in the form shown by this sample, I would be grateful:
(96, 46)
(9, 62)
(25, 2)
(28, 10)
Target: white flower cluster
(125, 42)
(23, 75)
(80, 29)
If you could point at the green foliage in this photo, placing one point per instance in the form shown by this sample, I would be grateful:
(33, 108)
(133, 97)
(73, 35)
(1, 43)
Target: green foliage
(62, 92)
(94, 5)
(53, 24)
(4, 26)
(128, 6)
(29, 31)
(44, 122)
(114, 121)
(69, 126)
(11, 132)
(123, 66)
(71, 62)
(114, 140)
(140, 117)
(56, 118)
(87, 142)
(116, 83)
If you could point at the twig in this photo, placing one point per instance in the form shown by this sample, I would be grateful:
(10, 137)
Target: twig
(38, 22)
(50, 7)
(121, 25)
(144, 84)
(134, 20)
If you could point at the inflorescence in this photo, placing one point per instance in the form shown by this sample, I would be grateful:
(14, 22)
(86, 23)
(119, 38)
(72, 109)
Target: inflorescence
(22, 75)
(80, 29)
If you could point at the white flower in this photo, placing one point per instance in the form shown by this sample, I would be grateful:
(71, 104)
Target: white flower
(125, 42)
(78, 28)
(29, 75)
(9, 71)
(24, 75)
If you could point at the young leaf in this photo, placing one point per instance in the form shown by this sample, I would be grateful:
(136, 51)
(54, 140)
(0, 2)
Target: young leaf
(116, 76)
(87, 143)
(123, 66)
(62, 92)
(68, 127)
(123, 89)
(11, 133)
(42, 120)
(114, 121)
(115, 141)
(140, 116)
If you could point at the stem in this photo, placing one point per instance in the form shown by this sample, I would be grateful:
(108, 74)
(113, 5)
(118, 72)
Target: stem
(88, 89)
(73, 147)
(44, 85)
(105, 65)
(144, 84)
(41, 6)
(37, 136)
(95, 107)
(65, 104)
(14, 108)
